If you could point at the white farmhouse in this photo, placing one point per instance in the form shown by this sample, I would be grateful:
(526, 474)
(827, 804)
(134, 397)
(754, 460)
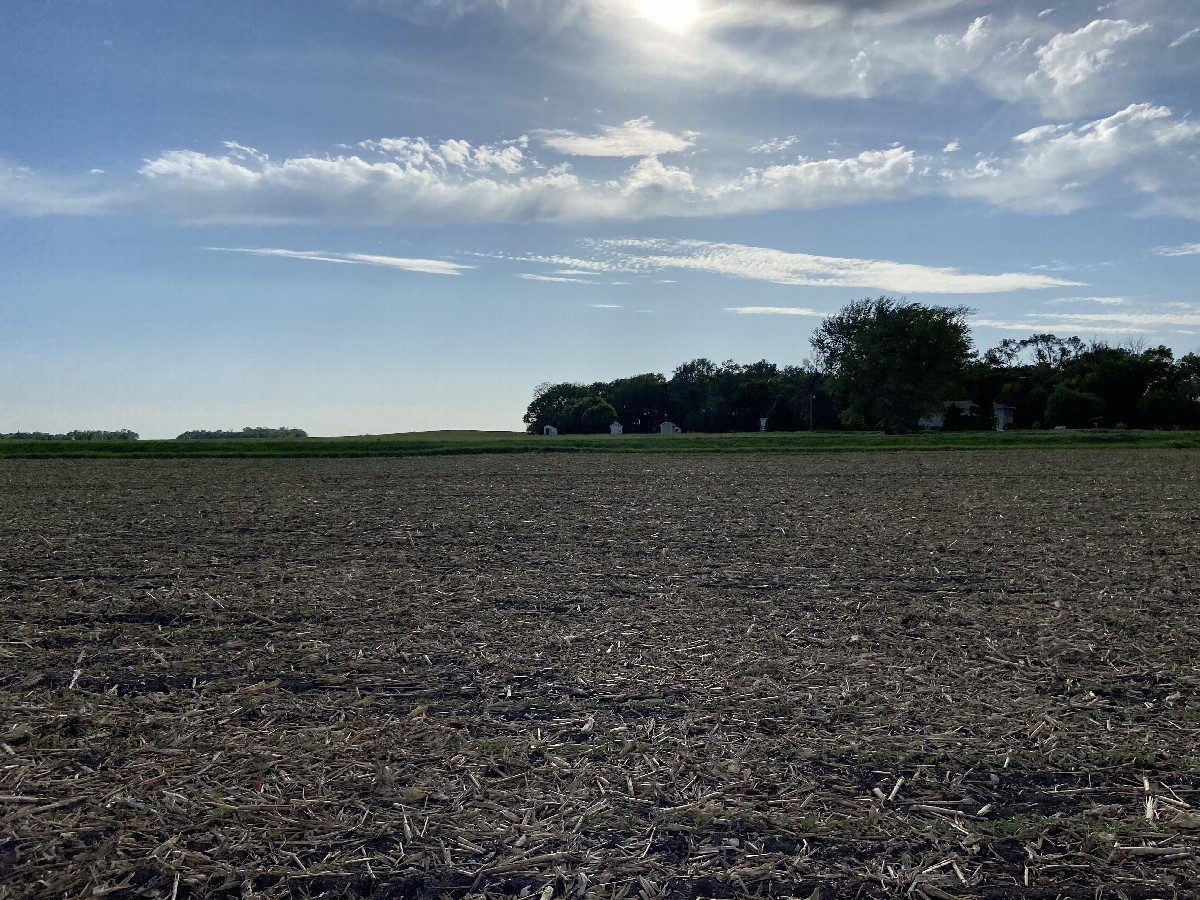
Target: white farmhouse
(669, 428)
(615, 428)
(549, 429)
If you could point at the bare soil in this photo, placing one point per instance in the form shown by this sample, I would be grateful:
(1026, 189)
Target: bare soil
(926, 675)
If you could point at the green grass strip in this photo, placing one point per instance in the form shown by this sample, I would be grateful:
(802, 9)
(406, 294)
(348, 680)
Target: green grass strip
(442, 443)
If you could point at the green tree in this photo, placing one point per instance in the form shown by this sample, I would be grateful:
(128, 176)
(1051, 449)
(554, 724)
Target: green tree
(588, 415)
(1073, 408)
(550, 404)
(640, 402)
(890, 362)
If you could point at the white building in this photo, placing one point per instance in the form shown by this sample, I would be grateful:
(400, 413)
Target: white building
(549, 429)
(615, 428)
(669, 428)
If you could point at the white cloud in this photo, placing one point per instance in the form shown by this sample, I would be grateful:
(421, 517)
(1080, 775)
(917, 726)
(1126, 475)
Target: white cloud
(1131, 319)
(1127, 322)
(1038, 133)
(556, 278)
(428, 266)
(775, 145)
(637, 137)
(417, 181)
(1031, 326)
(775, 311)
(606, 306)
(1071, 59)
(781, 267)
(1181, 250)
(952, 147)
(809, 184)
(1108, 301)
(650, 174)
(1144, 145)
(1186, 36)
(976, 32)
(23, 192)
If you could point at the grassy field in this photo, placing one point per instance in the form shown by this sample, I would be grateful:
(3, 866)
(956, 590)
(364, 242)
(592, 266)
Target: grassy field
(442, 443)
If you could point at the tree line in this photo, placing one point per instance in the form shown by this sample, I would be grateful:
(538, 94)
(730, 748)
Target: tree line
(127, 435)
(123, 435)
(244, 433)
(887, 364)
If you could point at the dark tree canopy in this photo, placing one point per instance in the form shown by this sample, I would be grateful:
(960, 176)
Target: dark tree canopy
(886, 363)
(891, 362)
(199, 435)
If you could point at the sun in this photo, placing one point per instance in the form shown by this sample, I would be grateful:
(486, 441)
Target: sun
(674, 14)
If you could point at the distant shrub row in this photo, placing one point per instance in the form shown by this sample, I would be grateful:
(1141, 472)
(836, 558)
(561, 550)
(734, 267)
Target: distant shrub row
(123, 435)
(244, 433)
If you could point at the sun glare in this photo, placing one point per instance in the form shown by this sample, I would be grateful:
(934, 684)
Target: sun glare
(674, 14)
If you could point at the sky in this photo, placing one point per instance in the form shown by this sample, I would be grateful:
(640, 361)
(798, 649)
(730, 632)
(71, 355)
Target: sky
(376, 216)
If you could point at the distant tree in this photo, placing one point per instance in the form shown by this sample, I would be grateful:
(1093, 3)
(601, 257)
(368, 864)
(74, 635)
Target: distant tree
(200, 435)
(890, 362)
(550, 404)
(1072, 408)
(90, 435)
(640, 402)
(587, 415)
(689, 401)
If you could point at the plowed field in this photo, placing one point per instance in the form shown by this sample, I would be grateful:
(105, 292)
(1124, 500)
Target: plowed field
(921, 675)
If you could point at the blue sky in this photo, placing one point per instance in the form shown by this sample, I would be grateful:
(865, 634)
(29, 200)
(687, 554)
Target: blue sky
(369, 216)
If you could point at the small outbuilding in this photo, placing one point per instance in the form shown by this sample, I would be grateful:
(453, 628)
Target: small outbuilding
(549, 429)
(615, 428)
(669, 428)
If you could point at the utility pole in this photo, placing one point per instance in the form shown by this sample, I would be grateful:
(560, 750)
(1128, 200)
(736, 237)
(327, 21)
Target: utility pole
(811, 424)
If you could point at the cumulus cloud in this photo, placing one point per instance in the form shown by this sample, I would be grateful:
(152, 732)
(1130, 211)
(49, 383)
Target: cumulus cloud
(637, 137)
(1144, 145)
(952, 147)
(774, 145)
(420, 153)
(403, 180)
(808, 184)
(781, 267)
(428, 266)
(1069, 59)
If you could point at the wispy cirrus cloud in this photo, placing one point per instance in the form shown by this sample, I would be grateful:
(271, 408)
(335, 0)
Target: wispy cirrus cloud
(776, 311)
(427, 266)
(782, 267)
(560, 279)
(1107, 301)
(1180, 250)
(1163, 317)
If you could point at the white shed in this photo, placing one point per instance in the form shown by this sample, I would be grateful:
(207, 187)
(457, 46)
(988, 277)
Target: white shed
(549, 429)
(615, 428)
(669, 428)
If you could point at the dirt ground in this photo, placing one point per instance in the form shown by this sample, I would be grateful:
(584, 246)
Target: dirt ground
(926, 675)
